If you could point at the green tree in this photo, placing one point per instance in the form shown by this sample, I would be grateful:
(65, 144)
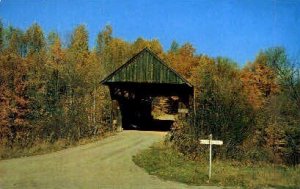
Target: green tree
(174, 47)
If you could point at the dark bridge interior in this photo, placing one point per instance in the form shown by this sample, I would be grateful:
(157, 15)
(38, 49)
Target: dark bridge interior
(134, 104)
(136, 114)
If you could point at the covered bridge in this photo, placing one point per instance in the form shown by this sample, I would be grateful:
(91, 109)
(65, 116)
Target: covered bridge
(134, 86)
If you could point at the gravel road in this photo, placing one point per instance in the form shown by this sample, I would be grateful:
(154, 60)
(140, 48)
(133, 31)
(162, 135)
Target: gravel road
(102, 164)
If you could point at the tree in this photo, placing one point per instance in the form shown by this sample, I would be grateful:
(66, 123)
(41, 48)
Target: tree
(259, 81)
(55, 90)
(14, 126)
(35, 39)
(77, 85)
(174, 47)
(221, 108)
(103, 39)
(286, 72)
(36, 59)
(281, 114)
(269, 83)
(140, 43)
(52, 38)
(15, 104)
(115, 54)
(184, 61)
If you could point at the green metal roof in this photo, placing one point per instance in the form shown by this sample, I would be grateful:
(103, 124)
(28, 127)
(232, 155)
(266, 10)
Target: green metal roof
(145, 67)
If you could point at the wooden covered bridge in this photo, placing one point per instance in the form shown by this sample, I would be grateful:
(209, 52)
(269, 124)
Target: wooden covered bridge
(134, 86)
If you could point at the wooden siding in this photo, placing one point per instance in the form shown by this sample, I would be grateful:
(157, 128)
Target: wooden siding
(145, 67)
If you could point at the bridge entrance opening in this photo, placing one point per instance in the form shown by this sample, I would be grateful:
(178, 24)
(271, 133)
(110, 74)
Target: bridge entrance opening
(136, 114)
(157, 114)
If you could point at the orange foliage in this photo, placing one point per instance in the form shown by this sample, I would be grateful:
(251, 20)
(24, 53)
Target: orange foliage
(259, 82)
(13, 100)
(183, 61)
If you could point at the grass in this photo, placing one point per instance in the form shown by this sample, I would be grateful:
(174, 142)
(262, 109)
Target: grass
(163, 161)
(44, 147)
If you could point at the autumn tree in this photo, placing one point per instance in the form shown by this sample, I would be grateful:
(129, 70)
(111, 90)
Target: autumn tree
(140, 43)
(115, 54)
(269, 84)
(278, 120)
(259, 81)
(183, 60)
(14, 125)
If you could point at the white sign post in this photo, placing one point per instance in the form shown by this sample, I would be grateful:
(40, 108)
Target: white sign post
(210, 142)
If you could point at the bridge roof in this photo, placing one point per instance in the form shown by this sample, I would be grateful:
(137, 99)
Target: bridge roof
(145, 67)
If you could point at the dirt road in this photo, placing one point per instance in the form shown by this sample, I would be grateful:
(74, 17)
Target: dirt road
(103, 164)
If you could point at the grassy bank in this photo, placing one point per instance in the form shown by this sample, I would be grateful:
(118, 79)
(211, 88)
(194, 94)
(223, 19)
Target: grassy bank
(161, 160)
(44, 147)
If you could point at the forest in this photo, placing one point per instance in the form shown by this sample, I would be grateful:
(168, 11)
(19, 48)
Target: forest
(50, 91)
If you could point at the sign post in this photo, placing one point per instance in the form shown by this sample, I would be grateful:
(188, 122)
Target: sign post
(210, 142)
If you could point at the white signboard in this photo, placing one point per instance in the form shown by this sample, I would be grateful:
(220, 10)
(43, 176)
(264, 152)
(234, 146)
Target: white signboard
(210, 142)
(214, 142)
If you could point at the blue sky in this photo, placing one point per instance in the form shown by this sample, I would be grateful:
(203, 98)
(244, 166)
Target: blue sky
(231, 28)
